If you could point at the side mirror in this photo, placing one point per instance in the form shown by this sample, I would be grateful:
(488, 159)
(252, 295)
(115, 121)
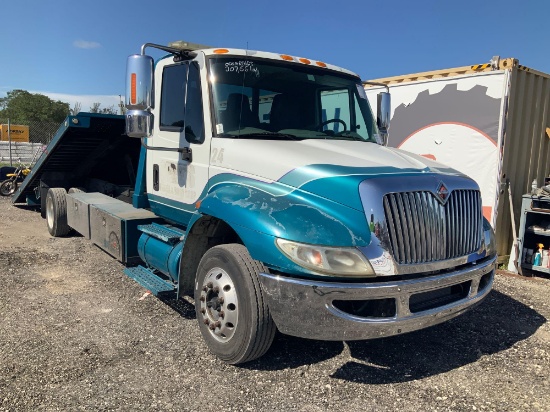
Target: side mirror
(384, 111)
(139, 95)
(383, 115)
(139, 123)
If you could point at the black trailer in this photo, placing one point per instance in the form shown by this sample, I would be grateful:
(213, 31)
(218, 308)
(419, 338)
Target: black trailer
(89, 152)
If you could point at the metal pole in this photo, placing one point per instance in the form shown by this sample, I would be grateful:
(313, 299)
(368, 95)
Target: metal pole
(517, 262)
(9, 141)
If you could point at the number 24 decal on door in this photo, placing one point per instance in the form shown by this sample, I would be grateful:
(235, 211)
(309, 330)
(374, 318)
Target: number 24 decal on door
(217, 156)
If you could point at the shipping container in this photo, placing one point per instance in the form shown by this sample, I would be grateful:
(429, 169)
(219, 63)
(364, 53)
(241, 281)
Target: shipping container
(489, 121)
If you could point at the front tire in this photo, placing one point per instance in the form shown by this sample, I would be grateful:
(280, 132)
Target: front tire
(56, 212)
(8, 187)
(233, 316)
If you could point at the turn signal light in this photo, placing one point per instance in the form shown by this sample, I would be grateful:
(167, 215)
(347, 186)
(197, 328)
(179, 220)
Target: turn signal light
(133, 86)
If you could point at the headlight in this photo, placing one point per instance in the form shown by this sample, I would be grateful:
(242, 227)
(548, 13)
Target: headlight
(489, 236)
(327, 260)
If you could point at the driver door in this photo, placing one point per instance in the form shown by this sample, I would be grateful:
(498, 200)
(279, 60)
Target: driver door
(175, 181)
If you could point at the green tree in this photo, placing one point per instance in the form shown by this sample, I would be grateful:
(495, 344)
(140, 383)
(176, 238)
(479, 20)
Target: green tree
(20, 106)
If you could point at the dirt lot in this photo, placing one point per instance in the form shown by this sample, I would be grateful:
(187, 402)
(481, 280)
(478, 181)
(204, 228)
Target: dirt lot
(77, 334)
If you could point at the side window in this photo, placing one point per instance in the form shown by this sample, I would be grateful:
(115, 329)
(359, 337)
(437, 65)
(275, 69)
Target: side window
(181, 101)
(335, 106)
(194, 119)
(172, 105)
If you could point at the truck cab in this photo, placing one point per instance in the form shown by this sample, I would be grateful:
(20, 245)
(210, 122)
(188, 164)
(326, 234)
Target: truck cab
(243, 112)
(275, 205)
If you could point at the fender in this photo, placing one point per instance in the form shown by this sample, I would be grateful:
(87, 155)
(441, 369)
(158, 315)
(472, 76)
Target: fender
(283, 211)
(259, 212)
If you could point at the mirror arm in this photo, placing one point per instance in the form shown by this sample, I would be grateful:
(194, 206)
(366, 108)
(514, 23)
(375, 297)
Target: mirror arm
(186, 152)
(179, 54)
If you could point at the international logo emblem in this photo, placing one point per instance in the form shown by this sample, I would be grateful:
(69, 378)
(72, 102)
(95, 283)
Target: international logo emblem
(442, 193)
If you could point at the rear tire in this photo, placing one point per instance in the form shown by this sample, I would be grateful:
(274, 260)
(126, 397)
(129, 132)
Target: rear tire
(8, 187)
(56, 212)
(233, 316)
(77, 190)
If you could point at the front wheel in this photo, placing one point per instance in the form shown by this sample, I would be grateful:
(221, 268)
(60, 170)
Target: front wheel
(231, 310)
(8, 187)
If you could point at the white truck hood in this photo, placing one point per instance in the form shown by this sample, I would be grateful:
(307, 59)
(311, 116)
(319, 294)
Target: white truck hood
(270, 160)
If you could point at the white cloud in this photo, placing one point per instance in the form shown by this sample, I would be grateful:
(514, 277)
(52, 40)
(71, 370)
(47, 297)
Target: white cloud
(83, 44)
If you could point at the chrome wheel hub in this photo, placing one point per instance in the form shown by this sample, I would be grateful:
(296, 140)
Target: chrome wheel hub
(219, 306)
(49, 212)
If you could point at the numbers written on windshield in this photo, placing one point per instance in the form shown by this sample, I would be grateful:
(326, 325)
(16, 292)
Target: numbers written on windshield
(241, 66)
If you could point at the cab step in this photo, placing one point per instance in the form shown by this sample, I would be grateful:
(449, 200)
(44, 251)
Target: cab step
(168, 234)
(146, 278)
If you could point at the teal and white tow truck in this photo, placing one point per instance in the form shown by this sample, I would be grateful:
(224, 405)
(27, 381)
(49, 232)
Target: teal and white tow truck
(258, 186)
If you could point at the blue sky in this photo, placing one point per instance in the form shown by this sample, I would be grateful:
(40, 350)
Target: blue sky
(76, 51)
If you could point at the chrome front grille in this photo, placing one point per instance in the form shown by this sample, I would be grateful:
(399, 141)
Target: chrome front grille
(422, 230)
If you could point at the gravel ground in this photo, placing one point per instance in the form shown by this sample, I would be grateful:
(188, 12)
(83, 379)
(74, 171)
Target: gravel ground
(77, 334)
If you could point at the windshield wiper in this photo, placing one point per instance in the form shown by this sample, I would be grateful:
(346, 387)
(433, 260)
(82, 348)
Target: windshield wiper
(337, 137)
(266, 135)
(348, 137)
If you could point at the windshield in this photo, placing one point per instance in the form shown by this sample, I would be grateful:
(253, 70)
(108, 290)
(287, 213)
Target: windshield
(262, 99)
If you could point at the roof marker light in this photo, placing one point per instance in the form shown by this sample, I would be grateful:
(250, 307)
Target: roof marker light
(286, 57)
(305, 61)
(320, 64)
(221, 51)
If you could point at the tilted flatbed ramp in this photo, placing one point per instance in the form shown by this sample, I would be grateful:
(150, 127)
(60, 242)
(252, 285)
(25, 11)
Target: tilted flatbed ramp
(88, 145)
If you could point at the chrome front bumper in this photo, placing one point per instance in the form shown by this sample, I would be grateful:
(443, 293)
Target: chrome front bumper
(305, 308)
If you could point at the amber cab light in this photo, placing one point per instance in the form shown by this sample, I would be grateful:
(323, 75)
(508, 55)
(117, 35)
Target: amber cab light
(133, 85)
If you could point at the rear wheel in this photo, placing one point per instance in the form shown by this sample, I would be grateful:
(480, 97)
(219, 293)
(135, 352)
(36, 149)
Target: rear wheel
(43, 195)
(8, 187)
(231, 310)
(56, 212)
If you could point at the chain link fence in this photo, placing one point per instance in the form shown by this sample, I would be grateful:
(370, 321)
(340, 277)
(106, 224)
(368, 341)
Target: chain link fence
(24, 141)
